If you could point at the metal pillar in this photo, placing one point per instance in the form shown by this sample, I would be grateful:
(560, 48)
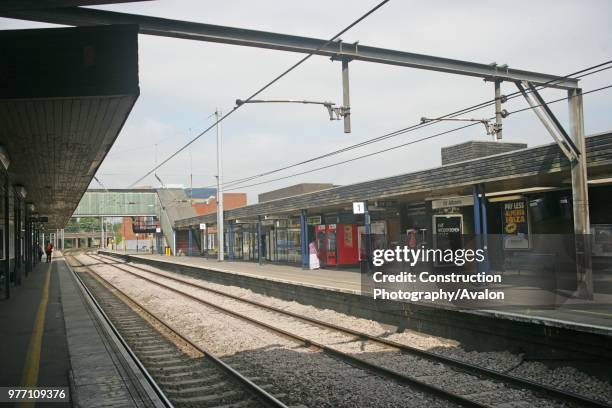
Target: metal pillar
(173, 242)
(33, 248)
(368, 235)
(17, 239)
(480, 226)
(230, 241)
(101, 233)
(259, 244)
(206, 241)
(346, 100)
(7, 260)
(220, 229)
(580, 197)
(35, 245)
(28, 243)
(477, 224)
(32, 244)
(39, 242)
(304, 240)
(190, 240)
(498, 110)
(485, 228)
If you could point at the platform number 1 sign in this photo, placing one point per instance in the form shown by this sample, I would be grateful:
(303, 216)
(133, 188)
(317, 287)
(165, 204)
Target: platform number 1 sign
(359, 207)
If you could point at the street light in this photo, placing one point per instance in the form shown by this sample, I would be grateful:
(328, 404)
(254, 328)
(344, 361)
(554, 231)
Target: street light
(335, 112)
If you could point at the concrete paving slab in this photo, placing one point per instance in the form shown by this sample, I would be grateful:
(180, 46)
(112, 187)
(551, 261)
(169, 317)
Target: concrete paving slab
(17, 316)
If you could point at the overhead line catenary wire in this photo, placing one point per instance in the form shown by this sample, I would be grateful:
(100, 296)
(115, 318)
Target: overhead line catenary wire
(411, 128)
(263, 88)
(405, 144)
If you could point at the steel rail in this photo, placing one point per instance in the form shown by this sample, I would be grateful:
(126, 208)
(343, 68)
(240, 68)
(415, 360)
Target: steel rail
(348, 358)
(464, 366)
(150, 380)
(257, 391)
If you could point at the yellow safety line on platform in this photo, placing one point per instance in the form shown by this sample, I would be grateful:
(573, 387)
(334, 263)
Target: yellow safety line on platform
(32, 363)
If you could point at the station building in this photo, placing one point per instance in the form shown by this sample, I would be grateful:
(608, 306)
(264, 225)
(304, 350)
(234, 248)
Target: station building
(515, 200)
(65, 94)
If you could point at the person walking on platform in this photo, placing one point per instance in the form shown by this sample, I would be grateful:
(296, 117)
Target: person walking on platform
(40, 251)
(49, 251)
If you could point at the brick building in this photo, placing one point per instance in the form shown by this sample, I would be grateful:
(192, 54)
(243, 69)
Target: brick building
(230, 201)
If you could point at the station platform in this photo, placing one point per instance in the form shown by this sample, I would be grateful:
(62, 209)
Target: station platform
(579, 331)
(592, 316)
(34, 349)
(52, 337)
(342, 280)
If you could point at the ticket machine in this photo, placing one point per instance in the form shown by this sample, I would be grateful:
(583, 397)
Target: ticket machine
(332, 245)
(327, 244)
(321, 241)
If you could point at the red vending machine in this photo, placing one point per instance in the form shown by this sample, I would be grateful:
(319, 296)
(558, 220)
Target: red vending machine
(327, 244)
(321, 241)
(332, 245)
(348, 246)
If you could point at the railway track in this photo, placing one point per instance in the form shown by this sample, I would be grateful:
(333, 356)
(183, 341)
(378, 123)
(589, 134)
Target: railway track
(473, 390)
(186, 381)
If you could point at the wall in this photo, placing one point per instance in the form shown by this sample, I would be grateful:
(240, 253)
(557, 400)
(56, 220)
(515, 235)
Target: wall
(230, 201)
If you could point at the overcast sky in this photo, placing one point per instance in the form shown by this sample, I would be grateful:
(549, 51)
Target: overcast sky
(182, 82)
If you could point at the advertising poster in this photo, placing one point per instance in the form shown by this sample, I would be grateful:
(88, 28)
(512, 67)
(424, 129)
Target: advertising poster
(447, 233)
(515, 225)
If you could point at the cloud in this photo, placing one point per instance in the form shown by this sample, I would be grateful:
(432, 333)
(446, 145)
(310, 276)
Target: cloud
(182, 82)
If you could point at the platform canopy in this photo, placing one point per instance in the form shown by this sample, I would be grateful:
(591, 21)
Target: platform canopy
(65, 94)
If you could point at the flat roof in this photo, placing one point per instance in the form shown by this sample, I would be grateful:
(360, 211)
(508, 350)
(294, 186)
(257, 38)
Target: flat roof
(65, 94)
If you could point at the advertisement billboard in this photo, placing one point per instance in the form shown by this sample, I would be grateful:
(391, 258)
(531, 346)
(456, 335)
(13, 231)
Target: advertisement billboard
(515, 224)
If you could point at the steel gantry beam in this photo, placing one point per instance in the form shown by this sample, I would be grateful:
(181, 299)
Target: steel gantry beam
(77, 16)
(549, 121)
